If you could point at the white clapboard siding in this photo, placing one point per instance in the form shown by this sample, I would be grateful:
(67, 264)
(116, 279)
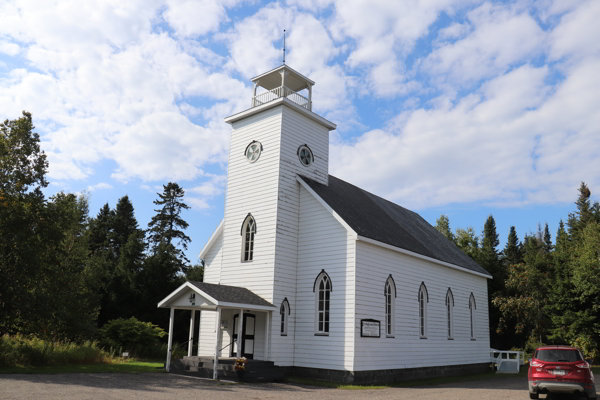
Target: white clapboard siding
(296, 130)
(252, 188)
(212, 261)
(324, 244)
(406, 349)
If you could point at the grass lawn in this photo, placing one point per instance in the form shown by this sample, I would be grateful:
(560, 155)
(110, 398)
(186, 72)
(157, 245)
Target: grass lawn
(131, 367)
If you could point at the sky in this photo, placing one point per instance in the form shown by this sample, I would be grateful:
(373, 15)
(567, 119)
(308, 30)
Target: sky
(458, 107)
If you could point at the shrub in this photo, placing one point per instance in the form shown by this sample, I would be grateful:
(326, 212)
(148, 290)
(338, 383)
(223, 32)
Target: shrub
(131, 335)
(20, 350)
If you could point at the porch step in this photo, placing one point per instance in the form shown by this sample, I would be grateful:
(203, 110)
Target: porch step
(256, 370)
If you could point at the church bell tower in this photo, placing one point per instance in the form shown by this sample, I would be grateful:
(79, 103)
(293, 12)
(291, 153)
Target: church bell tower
(273, 143)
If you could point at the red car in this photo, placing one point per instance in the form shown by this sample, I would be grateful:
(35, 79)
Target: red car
(560, 369)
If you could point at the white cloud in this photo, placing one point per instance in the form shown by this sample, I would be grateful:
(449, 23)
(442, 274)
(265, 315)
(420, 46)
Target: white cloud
(194, 18)
(108, 89)
(513, 143)
(12, 49)
(197, 204)
(99, 186)
(577, 33)
(500, 38)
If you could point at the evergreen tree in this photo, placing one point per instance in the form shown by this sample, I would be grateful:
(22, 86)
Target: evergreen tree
(562, 238)
(488, 256)
(490, 261)
(512, 253)
(442, 224)
(195, 273)
(117, 249)
(468, 242)
(547, 239)
(584, 214)
(167, 225)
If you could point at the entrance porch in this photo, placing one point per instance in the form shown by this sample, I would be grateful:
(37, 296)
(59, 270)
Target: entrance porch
(234, 322)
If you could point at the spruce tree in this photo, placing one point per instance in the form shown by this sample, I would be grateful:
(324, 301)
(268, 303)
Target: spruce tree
(490, 261)
(512, 253)
(468, 241)
(442, 224)
(167, 225)
(547, 239)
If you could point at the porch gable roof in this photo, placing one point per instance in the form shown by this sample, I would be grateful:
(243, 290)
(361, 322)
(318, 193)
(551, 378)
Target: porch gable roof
(221, 295)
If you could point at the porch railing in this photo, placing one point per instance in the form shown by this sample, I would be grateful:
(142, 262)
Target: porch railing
(278, 92)
(515, 358)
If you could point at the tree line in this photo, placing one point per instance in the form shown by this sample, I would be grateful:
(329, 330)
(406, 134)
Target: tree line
(64, 274)
(542, 291)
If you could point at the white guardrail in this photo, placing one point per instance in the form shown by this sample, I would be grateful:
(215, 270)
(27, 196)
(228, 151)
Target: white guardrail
(278, 92)
(507, 361)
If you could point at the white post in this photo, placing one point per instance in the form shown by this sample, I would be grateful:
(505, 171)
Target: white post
(217, 341)
(254, 94)
(199, 329)
(309, 97)
(191, 338)
(170, 342)
(239, 333)
(267, 315)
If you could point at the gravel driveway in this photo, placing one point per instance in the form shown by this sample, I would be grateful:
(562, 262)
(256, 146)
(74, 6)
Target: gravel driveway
(166, 386)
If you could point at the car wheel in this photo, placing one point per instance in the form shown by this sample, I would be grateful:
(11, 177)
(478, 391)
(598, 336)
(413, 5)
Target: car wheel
(534, 396)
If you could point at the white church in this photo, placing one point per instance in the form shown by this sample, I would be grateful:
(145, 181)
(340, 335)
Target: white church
(312, 276)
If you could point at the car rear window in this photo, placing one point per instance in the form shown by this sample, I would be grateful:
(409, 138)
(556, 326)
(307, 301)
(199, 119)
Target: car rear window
(557, 355)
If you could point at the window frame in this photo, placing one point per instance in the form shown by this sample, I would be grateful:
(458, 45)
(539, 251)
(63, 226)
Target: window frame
(285, 321)
(310, 153)
(472, 316)
(423, 299)
(323, 285)
(450, 314)
(260, 150)
(248, 237)
(389, 294)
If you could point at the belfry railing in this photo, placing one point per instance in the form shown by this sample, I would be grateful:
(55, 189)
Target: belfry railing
(279, 92)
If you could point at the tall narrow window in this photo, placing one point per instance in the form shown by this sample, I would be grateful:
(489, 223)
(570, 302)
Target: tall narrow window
(450, 313)
(322, 289)
(248, 232)
(390, 297)
(284, 311)
(423, 300)
(472, 308)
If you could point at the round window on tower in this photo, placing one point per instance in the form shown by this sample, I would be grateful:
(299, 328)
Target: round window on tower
(253, 151)
(305, 155)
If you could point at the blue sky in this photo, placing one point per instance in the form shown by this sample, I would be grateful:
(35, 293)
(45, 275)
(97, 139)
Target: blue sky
(463, 108)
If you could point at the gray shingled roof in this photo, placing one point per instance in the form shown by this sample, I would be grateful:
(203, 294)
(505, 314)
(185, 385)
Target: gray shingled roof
(231, 294)
(379, 219)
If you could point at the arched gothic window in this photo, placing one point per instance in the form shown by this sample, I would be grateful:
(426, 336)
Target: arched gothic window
(423, 300)
(450, 313)
(248, 232)
(472, 308)
(322, 289)
(390, 306)
(284, 311)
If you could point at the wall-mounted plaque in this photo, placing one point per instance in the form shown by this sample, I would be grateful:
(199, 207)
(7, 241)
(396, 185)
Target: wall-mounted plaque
(370, 328)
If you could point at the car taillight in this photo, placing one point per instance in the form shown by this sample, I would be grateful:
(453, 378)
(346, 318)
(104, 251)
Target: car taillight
(536, 364)
(582, 365)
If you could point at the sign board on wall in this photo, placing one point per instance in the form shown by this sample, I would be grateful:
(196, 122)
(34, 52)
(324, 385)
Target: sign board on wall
(370, 328)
